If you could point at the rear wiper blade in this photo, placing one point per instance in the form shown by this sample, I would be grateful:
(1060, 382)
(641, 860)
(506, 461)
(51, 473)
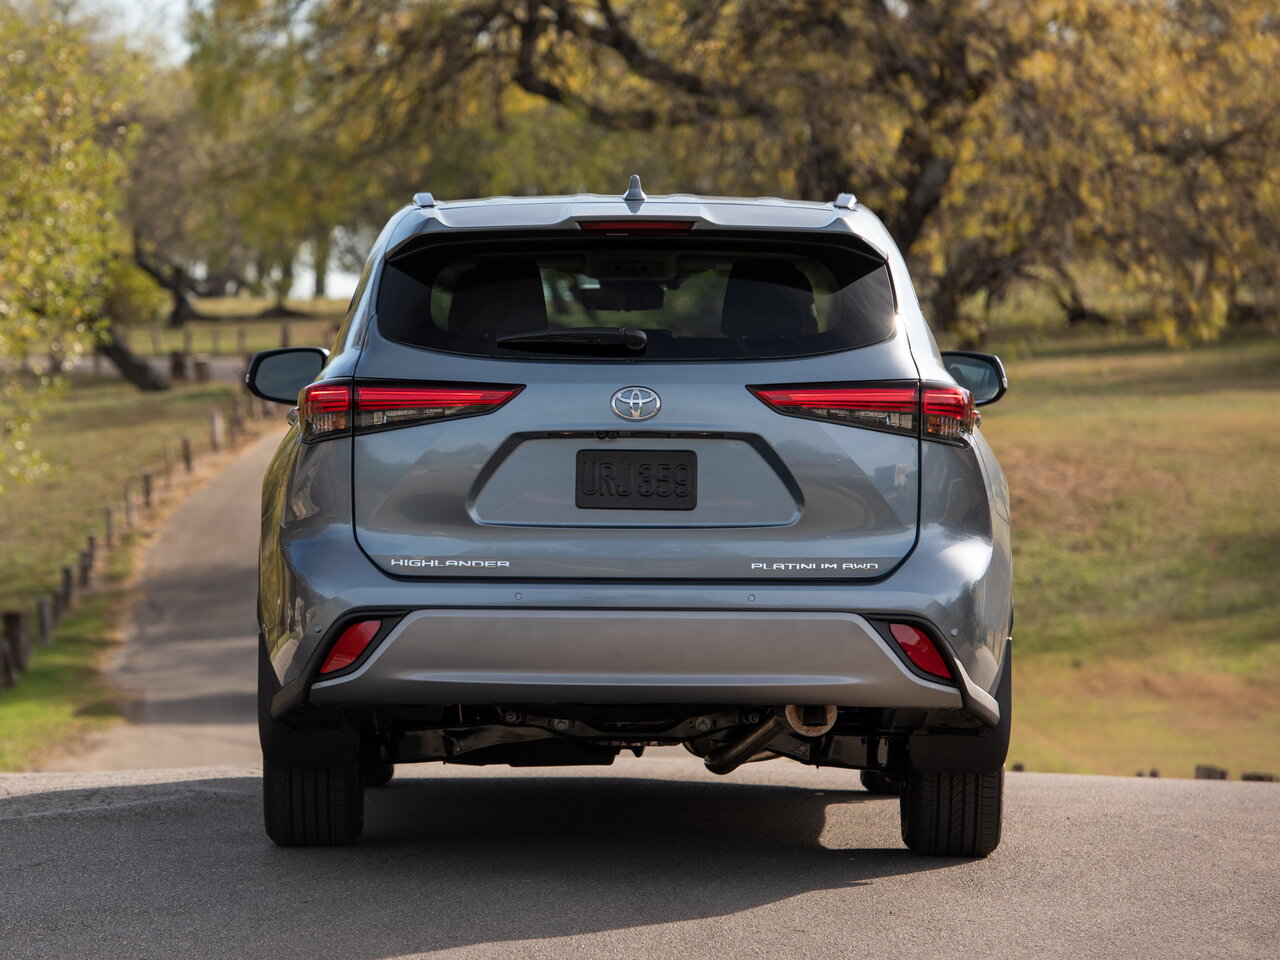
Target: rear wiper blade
(588, 339)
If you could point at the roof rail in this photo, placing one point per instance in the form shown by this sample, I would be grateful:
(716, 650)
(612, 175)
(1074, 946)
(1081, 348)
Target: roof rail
(846, 201)
(424, 199)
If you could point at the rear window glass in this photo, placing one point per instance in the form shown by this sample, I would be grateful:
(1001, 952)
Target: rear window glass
(693, 298)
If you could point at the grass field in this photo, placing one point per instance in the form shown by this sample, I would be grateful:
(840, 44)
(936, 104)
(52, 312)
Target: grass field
(95, 436)
(1147, 542)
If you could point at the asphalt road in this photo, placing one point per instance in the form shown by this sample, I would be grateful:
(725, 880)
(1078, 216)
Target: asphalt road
(649, 858)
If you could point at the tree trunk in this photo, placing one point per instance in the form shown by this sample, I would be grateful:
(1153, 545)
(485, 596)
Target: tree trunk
(132, 367)
(320, 247)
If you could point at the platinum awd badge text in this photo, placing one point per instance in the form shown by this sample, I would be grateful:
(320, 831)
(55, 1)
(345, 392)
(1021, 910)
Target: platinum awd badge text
(817, 565)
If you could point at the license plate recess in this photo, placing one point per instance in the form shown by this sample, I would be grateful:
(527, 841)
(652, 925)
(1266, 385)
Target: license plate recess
(637, 480)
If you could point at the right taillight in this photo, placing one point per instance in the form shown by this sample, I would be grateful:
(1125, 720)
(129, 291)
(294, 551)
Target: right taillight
(890, 408)
(340, 409)
(948, 413)
(933, 411)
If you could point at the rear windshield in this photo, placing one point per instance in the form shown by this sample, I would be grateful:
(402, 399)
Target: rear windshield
(694, 298)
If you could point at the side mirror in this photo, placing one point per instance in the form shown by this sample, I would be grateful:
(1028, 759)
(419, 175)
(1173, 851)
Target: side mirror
(278, 375)
(982, 374)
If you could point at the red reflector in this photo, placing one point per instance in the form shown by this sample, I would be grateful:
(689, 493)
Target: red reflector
(325, 410)
(623, 227)
(920, 650)
(350, 645)
(882, 408)
(949, 413)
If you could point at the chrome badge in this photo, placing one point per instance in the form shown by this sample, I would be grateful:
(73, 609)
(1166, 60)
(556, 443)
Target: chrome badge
(635, 403)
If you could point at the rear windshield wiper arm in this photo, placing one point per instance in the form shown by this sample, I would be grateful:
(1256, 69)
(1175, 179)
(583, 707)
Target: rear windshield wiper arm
(586, 339)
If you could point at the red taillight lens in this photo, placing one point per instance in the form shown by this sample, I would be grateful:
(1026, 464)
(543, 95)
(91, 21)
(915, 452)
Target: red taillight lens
(622, 228)
(920, 650)
(350, 645)
(881, 408)
(330, 410)
(325, 410)
(948, 413)
(379, 407)
(938, 412)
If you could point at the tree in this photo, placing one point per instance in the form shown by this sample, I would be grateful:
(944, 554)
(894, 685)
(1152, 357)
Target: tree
(62, 168)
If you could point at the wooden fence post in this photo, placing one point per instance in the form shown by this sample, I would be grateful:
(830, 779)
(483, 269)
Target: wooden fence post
(204, 371)
(68, 588)
(217, 429)
(17, 637)
(177, 365)
(187, 460)
(240, 338)
(286, 335)
(84, 565)
(44, 620)
(148, 491)
(128, 506)
(109, 516)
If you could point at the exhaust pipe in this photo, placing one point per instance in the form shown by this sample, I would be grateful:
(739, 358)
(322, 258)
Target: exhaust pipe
(804, 721)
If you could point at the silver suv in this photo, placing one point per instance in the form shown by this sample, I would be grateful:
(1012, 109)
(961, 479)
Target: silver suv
(591, 474)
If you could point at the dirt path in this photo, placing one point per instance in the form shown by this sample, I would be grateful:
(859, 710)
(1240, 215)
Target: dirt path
(188, 662)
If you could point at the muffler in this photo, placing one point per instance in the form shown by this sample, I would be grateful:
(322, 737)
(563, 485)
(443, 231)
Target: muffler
(803, 721)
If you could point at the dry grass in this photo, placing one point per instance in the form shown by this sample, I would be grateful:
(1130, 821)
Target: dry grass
(1147, 552)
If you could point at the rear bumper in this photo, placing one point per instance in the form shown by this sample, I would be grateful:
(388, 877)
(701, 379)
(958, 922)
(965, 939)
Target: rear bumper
(491, 656)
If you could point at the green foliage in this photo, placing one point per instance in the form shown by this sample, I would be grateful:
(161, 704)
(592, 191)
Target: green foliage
(62, 165)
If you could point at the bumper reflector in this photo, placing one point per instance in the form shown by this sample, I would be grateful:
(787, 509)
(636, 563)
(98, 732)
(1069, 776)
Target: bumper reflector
(920, 650)
(350, 645)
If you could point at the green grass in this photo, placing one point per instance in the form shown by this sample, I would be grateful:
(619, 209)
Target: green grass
(63, 695)
(1147, 552)
(95, 436)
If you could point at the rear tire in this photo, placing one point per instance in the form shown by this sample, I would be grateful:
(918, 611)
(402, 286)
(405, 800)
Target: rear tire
(873, 781)
(951, 814)
(312, 806)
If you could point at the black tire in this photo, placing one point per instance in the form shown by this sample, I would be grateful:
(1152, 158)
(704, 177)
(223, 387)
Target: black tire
(379, 774)
(952, 814)
(873, 781)
(312, 806)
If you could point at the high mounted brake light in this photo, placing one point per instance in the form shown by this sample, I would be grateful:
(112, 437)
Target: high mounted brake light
(935, 412)
(623, 228)
(330, 410)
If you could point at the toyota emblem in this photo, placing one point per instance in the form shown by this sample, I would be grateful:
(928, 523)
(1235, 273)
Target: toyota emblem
(635, 403)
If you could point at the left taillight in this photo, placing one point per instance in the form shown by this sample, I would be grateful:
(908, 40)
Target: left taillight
(330, 410)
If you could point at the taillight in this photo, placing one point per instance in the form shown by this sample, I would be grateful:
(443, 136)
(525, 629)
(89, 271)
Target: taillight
(329, 410)
(948, 413)
(623, 228)
(920, 649)
(378, 407)
(350, 645)
(881, 408)
(325, 410)
(935, 412)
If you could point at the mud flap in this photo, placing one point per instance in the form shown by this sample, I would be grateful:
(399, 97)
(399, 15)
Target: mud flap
(979, 752)
(286, 746)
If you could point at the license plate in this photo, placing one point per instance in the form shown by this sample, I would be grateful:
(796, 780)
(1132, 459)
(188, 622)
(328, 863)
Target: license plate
(637, 479)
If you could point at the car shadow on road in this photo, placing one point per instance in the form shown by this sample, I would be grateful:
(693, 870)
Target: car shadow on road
(451, 862)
